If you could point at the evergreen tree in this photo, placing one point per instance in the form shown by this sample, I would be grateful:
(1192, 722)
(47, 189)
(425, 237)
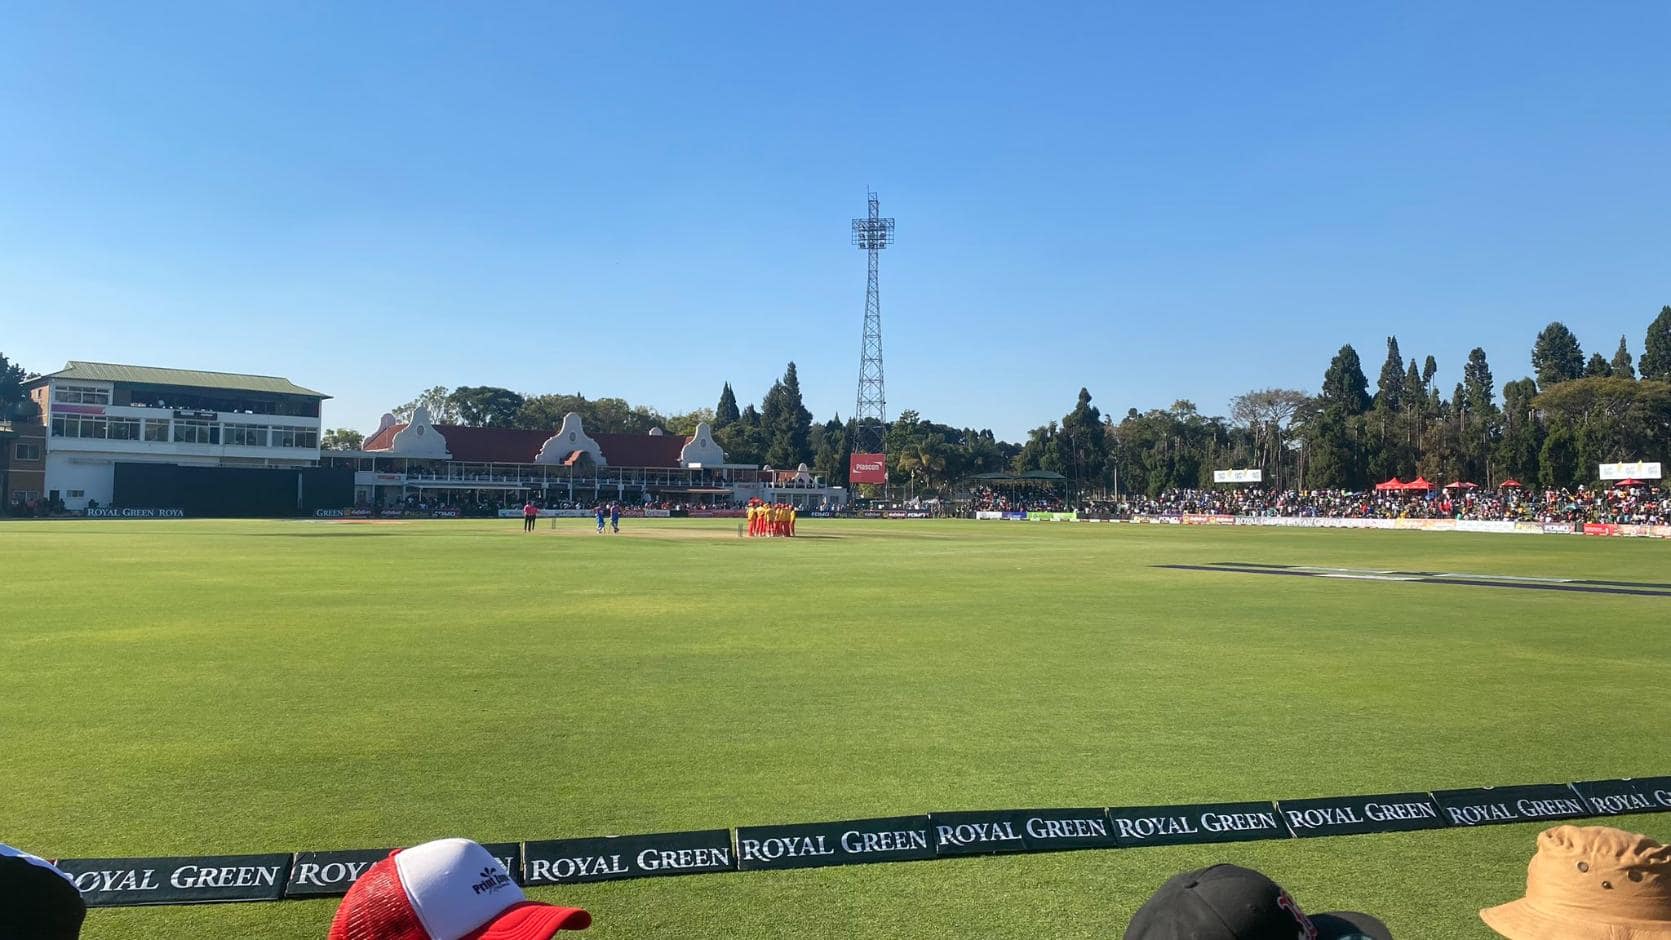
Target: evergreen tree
(1556, 355)
(1344, 385)
(1477, 383)
(1430, 368)
(1656, 349)
(1084, 443)
(726, 412)
(1621, 363)
(1597, 367)
(1390, 389)
(787, 421)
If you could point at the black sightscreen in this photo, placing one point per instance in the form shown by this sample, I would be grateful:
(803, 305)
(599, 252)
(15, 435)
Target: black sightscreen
(232, 491)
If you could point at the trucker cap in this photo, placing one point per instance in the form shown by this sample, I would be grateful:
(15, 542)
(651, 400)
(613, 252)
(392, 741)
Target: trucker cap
(36, 899)
(1227, 902)
(449, 889)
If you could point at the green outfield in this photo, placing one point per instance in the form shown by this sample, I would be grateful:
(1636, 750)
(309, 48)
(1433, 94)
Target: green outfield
(197, 687)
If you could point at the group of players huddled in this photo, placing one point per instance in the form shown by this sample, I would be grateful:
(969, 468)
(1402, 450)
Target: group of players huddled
(770, 520)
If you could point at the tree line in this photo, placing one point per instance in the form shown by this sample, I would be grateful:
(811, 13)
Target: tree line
(1549, 428)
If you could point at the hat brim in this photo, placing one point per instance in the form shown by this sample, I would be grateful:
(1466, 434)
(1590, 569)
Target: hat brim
(1349, 925)
(1521, 920)
(531, 920)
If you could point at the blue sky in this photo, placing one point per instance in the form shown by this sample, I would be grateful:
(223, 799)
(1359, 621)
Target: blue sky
(1157, 202)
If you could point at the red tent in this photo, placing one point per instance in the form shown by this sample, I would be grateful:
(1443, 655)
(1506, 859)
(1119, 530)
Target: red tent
(1630, 483)
(1508, 483)
(1462, 486)
(1391, 484)
(1418, 483)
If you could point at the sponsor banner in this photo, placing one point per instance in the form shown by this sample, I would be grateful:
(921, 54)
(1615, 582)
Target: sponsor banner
(330, 874)
(867, 468)
(1355, 815)
(1617, 797)
(58, 409)
(1426, 525)
(1485, 525)
(728, 514)
(330, 513)
(1038, 516)
(1199, 823)
(1020, 830)
(852, 842)
(1530, 528)
(1634, 530)
(1197, 518)
(445, 514)
(1657, 789)
(109, 512)
(608, 858)
(1557, 528)
(1238, 476)
(819, 515)
(1015, 516)
(391, 513)
(988, 514)
(1486, 806)
(907, 514)
(1660, 531)
(1600, 528)
(122, 882)
(1628, 471)
(549, 513)
(658, 513)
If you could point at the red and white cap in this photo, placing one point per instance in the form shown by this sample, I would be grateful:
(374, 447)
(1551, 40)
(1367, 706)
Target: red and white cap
(449, 889)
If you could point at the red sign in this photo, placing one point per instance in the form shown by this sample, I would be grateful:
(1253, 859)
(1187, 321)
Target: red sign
(868, 468)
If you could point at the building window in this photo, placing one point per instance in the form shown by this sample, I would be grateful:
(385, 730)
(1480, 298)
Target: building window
(156, 430)
(78, 426)
(74, 494)
(246, 435)
(80, 395)
(295, 437)
(22, 497)
(122, 429)
(26, 453)
(196, 432)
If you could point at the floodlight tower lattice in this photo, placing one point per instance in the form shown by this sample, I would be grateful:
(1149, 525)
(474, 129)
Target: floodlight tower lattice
(872, 234)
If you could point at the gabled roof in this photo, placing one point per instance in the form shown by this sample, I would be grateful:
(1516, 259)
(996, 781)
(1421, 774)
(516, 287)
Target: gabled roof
(510, 445)
(189, 378)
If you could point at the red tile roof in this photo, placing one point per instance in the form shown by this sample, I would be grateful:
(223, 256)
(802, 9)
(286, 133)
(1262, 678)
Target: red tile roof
(508, 445)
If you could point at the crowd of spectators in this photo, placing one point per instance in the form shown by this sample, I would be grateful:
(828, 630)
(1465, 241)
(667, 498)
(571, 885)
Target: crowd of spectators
(1624, 505)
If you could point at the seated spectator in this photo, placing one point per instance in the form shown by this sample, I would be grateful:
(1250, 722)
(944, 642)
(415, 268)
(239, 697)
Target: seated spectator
(37, 901)
(1591, 883)
(1227, 902)
(448, 889)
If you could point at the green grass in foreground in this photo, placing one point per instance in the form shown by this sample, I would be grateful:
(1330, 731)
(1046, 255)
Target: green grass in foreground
(207, 687)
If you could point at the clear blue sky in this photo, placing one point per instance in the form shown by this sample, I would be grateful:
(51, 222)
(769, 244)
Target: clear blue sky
(1160, 202)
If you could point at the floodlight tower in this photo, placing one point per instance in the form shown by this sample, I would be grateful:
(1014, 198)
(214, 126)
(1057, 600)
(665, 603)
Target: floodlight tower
(871, 234)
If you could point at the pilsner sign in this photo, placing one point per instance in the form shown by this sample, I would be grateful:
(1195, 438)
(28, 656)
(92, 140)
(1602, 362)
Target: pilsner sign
(1239, 476)
(1630, 471)
(868, 468)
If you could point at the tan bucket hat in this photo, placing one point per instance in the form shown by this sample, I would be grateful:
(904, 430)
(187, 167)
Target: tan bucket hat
(1591, 883)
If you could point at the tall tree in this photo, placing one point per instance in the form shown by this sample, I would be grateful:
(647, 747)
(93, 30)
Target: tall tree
(1270, 415)
(437, 400)
(1621, 364)
(1430, 368)
(1477, 384)
(14, 401)
(726, 412)
(1389, 391)
(788, 421)
(1084, 443)
(1344, 385)
(1556, 355)
(1656, 349)
(485, 406)
(1597, 367)
(341, 439)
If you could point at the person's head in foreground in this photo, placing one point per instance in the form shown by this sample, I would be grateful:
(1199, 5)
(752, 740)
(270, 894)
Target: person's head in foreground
(37, 901)
(1227, 902)
(449, 889)
(1591, 883)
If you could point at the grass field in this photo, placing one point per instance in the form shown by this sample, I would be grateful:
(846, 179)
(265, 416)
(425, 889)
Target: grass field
(219, 687)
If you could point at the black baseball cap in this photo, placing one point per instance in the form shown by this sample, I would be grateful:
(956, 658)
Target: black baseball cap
(1228, 902)
(37, 901)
